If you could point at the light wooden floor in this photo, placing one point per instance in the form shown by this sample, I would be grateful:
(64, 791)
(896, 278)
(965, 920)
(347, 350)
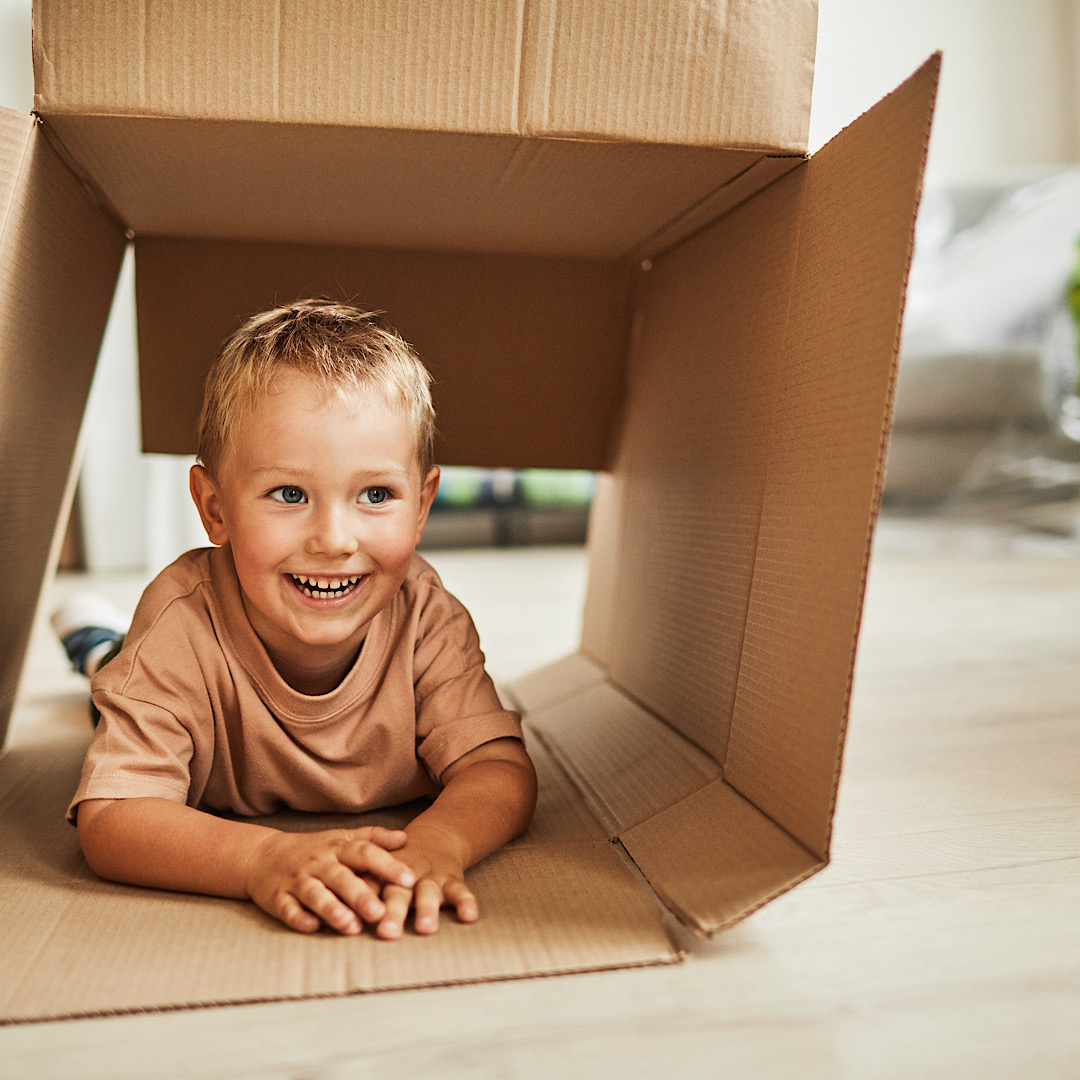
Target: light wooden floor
(944, 941)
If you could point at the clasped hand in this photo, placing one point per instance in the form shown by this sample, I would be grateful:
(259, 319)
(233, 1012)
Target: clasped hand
(344, 878)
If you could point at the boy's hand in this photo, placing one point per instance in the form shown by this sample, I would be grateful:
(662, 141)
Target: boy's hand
(332, 877)
(440, 882)
(487, 798)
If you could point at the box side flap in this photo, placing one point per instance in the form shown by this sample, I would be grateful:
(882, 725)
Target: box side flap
(672, 71)
(714, 858)
(667, 612)
(748, 477)
(628, 764)
(826, 453)
(512, 341)
(311, 183)
(59, 259)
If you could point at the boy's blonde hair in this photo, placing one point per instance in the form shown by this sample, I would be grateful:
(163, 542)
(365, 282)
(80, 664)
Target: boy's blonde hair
(346, 350)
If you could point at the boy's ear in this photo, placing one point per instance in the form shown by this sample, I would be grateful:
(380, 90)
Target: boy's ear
(428, 490)
(208, 503)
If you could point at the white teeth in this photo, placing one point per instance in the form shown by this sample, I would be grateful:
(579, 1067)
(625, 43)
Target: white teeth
(333, 586)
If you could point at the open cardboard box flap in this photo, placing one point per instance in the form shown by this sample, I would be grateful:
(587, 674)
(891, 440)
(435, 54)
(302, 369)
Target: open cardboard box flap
(716, 329)
(59, 258)
(663, 71)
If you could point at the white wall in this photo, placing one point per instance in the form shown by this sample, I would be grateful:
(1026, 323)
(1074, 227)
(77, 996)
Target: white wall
(1010, 100)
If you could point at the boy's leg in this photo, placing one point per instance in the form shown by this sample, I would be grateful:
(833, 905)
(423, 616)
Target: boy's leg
(92, 632)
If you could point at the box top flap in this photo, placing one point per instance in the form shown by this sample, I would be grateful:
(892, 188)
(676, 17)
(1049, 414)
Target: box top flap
(674, 71)
(59, 252)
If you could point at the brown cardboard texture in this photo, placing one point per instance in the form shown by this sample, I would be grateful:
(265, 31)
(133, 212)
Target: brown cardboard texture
(59, 252)
(612, 256)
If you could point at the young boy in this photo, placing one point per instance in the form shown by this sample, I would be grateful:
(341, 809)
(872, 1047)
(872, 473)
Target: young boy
(311, 660)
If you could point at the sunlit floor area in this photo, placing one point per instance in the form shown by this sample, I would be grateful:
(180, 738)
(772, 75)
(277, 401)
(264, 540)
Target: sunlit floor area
(943, 941)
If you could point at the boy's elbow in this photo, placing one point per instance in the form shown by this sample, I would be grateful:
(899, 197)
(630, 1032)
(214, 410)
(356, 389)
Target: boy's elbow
(94, 836)
(525, 789)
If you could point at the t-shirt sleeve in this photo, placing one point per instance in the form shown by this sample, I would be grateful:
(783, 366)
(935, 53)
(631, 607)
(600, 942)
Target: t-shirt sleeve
(140, 750)
(457, 706)
(153, 703)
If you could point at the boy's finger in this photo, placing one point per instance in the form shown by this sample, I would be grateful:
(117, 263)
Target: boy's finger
(319, 900)
(427, 898)
(293, 914)
(359, 893)
(366, 856)
(458, 896)
(392, 839)
(397, 900)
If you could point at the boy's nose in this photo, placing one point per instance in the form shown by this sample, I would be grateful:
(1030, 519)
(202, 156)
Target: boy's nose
(331, 534)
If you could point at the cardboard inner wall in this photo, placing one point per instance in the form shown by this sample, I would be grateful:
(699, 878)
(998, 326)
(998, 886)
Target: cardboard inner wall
(58, 253)
(527, 353)
(566, 68)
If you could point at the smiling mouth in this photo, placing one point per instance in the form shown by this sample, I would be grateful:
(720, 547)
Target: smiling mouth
(325, 588)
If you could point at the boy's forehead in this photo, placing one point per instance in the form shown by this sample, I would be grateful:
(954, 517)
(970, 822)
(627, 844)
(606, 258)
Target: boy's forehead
(295, 393)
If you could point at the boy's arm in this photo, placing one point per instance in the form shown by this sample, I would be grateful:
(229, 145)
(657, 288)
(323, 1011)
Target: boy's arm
(302, 879)
(488, 798)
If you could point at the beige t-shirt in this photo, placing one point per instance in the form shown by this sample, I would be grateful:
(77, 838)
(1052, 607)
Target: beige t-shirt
(193, 709)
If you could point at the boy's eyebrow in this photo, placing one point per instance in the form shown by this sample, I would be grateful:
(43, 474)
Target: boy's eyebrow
(381, 471)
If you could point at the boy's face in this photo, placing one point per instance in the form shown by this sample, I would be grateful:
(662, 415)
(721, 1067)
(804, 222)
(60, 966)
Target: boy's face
(322, 503)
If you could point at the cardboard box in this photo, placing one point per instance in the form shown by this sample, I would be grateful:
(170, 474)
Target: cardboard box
(597, 224)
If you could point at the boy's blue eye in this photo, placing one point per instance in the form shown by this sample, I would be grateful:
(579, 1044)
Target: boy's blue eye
(288, 494)
(373, 496)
